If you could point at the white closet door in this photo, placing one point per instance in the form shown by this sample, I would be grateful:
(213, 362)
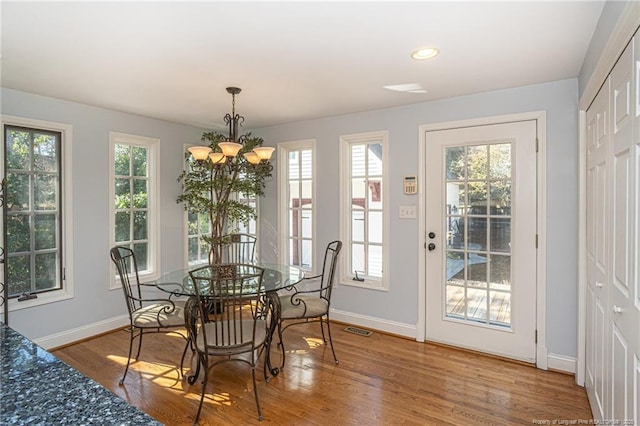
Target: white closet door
(597, 350)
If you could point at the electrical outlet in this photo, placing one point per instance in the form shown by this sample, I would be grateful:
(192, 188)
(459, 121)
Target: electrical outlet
(408, 212)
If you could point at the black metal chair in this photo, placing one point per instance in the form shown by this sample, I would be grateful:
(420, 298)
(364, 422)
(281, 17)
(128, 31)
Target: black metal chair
(146, 315)
(239, 328)
(311, 304)
(237, 248)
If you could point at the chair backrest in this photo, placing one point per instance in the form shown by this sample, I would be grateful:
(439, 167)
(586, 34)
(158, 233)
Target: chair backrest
(233, 291)
(125, 261)
(329, 268)
(237, 248)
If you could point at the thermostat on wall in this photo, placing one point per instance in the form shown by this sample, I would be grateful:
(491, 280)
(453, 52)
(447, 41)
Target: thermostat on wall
(410, 185)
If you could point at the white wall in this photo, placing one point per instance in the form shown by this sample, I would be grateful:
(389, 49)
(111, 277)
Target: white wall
(399, 305)
(94, 302)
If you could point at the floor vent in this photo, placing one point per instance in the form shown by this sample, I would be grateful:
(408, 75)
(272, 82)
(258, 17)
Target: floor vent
(358, 331)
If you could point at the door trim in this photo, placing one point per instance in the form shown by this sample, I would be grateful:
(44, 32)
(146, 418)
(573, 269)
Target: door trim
(541, 181)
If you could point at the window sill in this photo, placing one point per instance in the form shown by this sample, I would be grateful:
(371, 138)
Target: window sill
(42, 299)
(368, 284)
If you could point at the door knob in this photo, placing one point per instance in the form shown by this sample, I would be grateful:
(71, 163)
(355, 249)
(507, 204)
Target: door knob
(432, 235)
(616, 309)
(599, 284)
(432, 247)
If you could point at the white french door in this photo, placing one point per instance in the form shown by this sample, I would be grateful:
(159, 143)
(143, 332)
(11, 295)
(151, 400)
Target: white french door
(480, 196)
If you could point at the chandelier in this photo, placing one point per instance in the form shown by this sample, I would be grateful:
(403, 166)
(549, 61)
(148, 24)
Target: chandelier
(234, 143)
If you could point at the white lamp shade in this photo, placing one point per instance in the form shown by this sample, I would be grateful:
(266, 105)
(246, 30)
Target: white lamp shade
(217, 157)
(252, 157)
(230, 149)
(264, 152)
(199, 152)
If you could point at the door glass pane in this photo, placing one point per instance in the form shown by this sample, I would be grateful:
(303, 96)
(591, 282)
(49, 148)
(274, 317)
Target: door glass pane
(500, 234)
(500, 272)
(140, 225)
(455, 301)
(123, 193)
(500, 193)
(455, 160)
(500, 308)
(357, 160)
(477, 164)
(478, 177)
(500, 161)
(358, 192)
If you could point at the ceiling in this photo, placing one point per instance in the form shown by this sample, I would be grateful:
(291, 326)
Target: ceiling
(293, 60)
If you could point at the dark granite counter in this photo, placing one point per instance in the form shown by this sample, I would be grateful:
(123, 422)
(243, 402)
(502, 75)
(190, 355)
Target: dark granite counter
(36, 388)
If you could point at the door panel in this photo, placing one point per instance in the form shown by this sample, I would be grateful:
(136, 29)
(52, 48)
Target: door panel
(625, 316)
(481, 205)
(597, 341)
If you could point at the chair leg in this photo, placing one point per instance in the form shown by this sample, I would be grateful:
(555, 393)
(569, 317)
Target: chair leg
(281, 344)
(202, 360)
(126, 369)
(255, 387)
(139, 342)
(330, 340)
(184, 353)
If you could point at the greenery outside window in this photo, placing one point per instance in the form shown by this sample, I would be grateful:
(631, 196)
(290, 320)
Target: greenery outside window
(364, 217)
(134, 200)
(37, 235)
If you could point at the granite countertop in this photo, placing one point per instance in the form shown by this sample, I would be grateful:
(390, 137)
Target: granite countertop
(36, 388)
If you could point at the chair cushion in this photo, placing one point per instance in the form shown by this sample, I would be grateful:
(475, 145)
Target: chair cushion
(290, 309)
(224, 348)
(156, 315)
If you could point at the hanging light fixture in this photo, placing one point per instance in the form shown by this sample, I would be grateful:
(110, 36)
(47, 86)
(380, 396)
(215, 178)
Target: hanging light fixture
(234, 143)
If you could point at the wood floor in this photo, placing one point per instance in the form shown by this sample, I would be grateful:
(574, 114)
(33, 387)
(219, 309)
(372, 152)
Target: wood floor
(381, 380)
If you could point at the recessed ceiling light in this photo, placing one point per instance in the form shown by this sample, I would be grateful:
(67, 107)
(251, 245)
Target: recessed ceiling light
(427, 53)
(410, 88)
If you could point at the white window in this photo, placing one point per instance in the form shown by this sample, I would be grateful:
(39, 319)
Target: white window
(134, 200)
(36, 168)
(364, 218)
(296, 177)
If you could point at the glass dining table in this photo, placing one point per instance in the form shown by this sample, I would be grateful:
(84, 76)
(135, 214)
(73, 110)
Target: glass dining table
(276, 277)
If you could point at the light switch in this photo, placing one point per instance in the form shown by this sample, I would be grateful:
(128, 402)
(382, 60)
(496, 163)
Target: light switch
(408, 212)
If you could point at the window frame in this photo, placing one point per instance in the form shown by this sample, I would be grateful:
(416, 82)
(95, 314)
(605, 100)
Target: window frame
(153, 270)
(346, 276)
(284, 148)
(66, 208)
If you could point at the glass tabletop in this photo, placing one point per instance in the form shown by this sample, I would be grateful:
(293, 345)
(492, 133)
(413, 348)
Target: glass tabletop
(275, 277)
